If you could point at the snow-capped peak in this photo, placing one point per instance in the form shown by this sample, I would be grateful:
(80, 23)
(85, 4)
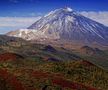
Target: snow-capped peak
(68, 9)
(65, 24)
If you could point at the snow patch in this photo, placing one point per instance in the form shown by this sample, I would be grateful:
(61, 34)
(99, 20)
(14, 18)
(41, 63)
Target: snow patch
(69, 9)
(49, 13)
(70, 18)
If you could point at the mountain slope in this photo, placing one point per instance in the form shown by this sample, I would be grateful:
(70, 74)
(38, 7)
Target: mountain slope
(7, 39)
(65, 24)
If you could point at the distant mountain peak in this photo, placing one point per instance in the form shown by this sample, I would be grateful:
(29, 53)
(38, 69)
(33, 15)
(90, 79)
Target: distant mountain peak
(65, 24)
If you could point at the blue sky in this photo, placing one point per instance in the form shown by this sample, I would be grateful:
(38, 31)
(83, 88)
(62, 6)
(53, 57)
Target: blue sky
(38, 7)
(15, 14)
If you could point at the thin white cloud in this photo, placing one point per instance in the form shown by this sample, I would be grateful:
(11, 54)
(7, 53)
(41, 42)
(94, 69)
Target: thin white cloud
(17, 21)
(101, 17)
(13, 23)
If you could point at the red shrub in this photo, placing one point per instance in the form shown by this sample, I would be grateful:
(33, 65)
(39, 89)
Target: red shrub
(11, 80)
(9, 56)
(64, 83)
(57, 79)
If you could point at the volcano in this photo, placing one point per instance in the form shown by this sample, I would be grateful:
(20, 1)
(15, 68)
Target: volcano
(65, 24)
